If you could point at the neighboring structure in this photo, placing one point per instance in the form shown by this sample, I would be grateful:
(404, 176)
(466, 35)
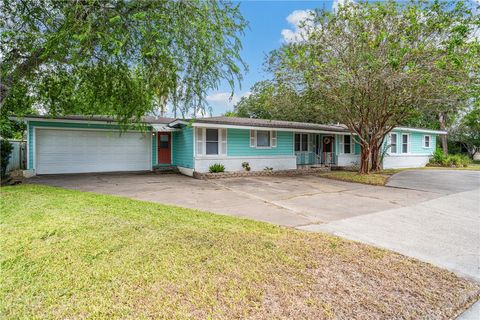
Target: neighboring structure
(78, 144)
(17, 156)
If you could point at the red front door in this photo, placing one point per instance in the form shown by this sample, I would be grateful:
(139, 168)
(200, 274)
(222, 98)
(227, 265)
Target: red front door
(164, 148)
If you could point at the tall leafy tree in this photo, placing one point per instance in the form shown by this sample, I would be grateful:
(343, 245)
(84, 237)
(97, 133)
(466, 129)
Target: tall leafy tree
(274, 100)
(377, 63)
(467, 130)
(117, 57)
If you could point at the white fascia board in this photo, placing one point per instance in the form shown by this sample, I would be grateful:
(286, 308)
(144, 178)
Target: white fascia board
(406, 129)
(178, 121)
(61, 120)
(162, 127)
(230, 126)
(26, 119)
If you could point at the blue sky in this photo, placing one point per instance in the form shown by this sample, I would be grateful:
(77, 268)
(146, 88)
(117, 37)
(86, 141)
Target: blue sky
(270, 24)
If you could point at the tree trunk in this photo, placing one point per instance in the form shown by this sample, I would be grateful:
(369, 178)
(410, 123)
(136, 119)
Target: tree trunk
(365, 160)
(376, 166)
(443, 138)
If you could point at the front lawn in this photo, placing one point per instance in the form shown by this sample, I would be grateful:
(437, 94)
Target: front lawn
(70, 254)
(377, 179)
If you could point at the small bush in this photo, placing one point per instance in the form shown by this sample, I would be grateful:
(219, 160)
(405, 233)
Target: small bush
(217, 167)
(453, 160)
(458, 160)
(268, 169)
(246, 166)
(438, 157)
(5, 153)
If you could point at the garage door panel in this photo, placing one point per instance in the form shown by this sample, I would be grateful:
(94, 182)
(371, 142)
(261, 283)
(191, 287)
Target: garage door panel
(78, 151)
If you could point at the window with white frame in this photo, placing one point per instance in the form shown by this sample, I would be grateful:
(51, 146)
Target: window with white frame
(427, 141)
(210, 142)
(263, 139)
(393, 143)
(405, 138)
(301, 142)
(347, 144)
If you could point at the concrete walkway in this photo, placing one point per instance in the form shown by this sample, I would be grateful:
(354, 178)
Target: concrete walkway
(444, 231)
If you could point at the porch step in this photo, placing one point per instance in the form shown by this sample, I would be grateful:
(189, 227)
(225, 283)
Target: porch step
(165, 169)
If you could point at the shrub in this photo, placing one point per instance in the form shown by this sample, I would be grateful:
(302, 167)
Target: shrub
(246, 166)
(438, 157)
(5, 153)
(454, 160)
(458, 160)
(268, 169)
(217, 167)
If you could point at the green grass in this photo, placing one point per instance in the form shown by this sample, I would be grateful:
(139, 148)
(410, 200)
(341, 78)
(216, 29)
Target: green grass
(378, 179)
(381, 178)
(70, 254)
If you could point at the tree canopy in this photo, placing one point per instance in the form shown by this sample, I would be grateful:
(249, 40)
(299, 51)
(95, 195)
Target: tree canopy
(119, 58)
(377, 64)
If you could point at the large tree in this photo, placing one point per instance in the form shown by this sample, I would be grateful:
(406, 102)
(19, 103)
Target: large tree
(117, 57)
(466, 131)
(377, 63)
(273, 100)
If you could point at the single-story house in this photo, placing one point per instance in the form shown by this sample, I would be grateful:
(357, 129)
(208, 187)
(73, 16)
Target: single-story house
(79, 144)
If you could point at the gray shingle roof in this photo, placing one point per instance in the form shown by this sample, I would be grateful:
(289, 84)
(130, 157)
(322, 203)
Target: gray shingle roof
(271, 123)
(146, 119)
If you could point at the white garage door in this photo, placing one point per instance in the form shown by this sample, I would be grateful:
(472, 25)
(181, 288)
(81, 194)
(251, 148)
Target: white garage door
(76, 151)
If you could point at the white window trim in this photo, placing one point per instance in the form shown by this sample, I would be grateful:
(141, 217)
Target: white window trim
(219, 142)
(301, 142)
(408, 144)
(429, 141)
(272, 139)
(342, 145)
(396, 143)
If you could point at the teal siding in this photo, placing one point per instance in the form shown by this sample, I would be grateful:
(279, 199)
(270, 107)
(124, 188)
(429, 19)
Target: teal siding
(154, 149)
(416, 142)
(55, 124)
(183, 148)
(238, 144)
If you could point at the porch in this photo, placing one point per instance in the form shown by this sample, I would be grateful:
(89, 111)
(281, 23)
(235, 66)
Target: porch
(315, 149)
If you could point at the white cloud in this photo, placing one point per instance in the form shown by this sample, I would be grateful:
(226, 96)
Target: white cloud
(224, 101)
(296, 32)
(337, 3)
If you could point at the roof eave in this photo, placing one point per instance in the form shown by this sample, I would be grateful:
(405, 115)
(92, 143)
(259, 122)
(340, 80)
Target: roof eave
(407, 129)
(252, 127)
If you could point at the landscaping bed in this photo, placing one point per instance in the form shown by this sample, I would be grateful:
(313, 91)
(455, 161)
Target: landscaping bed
(377, 179)
(264, 173)
(71, 254)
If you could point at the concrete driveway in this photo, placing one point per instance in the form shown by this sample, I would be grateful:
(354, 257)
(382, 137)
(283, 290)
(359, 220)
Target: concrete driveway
(444, 231)
(287, 201)
(432, 215)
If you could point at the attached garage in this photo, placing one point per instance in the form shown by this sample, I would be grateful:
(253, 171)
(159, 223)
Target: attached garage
(86, 150)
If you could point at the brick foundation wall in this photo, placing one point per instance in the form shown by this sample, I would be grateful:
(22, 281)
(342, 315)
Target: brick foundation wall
(238, 174)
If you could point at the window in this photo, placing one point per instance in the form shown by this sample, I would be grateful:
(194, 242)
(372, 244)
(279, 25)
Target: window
(263, 139)
(301, 142)
(163, 141)
(393, 143)
(347, 144)
(404, 143)
(427, 141)
(212, 141)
